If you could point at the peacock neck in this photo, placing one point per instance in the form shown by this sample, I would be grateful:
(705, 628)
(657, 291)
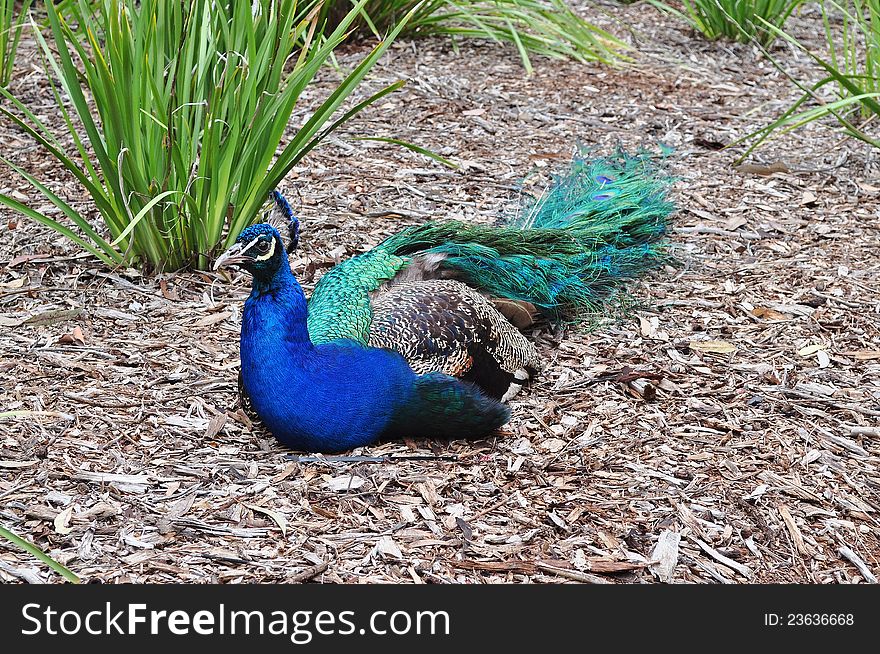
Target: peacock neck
(278, 305)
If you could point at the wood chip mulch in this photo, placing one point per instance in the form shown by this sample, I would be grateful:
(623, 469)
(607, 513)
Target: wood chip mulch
(725, 428)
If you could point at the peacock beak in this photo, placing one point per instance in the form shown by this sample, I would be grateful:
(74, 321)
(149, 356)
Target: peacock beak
(232, 257)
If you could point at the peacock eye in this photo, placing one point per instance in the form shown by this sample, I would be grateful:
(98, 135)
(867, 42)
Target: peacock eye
(262, 247)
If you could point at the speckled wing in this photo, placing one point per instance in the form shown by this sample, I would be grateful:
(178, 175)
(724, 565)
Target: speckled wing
(443, 325)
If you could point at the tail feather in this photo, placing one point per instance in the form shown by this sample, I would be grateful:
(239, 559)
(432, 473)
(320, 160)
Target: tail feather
(597, 226)
(445, 407)
(561, 287)
(599, 193)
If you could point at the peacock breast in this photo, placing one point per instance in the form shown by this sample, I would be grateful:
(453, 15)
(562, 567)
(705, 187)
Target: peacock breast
(325, 398)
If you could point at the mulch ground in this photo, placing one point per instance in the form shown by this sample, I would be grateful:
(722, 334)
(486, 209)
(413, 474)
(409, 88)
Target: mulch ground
(723, 430)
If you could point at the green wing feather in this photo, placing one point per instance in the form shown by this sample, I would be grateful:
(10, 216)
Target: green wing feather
(340, 304)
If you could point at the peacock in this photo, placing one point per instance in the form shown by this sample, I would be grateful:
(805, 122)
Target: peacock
(420, 336)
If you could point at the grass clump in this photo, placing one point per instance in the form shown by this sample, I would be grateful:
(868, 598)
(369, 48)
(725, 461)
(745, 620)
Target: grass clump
(739, 20)
(542, 27)
(848, 87)
(177, 112)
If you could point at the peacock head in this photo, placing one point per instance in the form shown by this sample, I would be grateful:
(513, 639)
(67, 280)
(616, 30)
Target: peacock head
(258, 249)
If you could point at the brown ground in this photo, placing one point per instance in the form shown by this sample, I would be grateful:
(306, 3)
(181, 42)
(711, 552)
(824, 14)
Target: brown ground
(758, 450)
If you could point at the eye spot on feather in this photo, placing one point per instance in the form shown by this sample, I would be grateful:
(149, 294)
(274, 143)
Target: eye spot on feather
(603, 180)
(602, 196)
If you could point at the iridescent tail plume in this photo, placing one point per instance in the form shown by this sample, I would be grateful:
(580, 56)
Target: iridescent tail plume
(598, 225)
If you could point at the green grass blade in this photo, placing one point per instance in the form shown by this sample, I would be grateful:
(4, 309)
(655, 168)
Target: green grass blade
(140, 215)
(348, 115)
(58, 227)
(67, 210)
(856, 89)
(35, 551)
(410, 146)
(177, 112)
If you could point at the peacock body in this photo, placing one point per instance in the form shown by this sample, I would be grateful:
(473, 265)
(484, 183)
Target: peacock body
(420, 335)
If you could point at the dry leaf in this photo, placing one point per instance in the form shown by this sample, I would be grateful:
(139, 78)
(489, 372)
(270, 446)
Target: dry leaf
(808, 198)
(23, 258)
(62, 520)
(76, 336)
(187, 422)
(795, 309)
(758, 169)
(428, 491)
(551, 445)
(277, 518)
(863, 355)
(212, 319)
(18, 464)
(769, 314)
(648, 326)
(168, 294)
(345, 483)
(466, 530)
(810, 349)
(735, 223)
(215, 425)
(15, 283)
(52, 316)
(715, 347)
(556, 520)
(387, 548)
